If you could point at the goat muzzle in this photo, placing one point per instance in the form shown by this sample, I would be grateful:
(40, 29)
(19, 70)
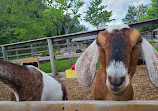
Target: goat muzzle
(116, 81)
(117, 85)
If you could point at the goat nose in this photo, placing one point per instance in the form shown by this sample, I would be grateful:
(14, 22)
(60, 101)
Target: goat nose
(116, 81)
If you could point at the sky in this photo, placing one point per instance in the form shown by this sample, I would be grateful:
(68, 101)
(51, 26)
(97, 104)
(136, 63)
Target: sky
(118, 7)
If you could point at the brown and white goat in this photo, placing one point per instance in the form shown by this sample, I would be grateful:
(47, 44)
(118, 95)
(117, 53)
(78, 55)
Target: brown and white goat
(28, 83)
(119, 48)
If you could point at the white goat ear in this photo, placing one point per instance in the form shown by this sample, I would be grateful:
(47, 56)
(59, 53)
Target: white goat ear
(151, 59)
(86, 65)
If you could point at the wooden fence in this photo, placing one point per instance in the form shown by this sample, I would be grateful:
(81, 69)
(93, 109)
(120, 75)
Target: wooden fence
(51, 40)
(80, 106)
(33, 50)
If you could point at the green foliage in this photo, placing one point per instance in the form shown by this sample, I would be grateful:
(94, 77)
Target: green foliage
(78, 28)
(153, 9)
(52, 14)
(97, 15)
(22, 20)
(64, 13)
(134, 13)
(152, 12)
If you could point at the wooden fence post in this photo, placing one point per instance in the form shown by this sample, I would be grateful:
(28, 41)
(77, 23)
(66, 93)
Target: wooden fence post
(51, 54)
(4, 53)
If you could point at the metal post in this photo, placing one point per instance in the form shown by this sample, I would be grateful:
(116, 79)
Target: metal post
(58, 48)
(32, 50)
(17, 54)
(51, 54)
(78, 46)
(69, 49)
(35, 49)
(4, 53)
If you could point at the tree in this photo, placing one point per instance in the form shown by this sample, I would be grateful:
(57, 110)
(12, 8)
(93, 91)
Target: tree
(78, 28)
(152, 12)
(97, 15)
(53, 15)
(153, 9)
(134, 13)
(65, 12)
(22, 20)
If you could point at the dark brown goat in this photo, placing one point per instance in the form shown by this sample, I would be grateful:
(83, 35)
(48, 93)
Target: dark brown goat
(28, 83)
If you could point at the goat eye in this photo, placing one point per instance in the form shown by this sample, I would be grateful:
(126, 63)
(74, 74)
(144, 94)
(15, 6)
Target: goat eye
(99, 45)
(138, 42)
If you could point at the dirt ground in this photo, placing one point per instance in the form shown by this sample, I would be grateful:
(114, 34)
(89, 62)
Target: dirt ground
(143, 89)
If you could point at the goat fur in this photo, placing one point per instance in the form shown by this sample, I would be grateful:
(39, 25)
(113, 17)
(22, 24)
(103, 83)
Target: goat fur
(116, 43)
(28, 83)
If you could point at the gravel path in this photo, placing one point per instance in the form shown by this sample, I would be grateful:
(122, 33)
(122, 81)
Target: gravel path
(143, 89)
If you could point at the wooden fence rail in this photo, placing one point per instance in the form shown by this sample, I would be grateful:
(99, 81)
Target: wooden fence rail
(33, 50)
(51, 40)
(80, 106)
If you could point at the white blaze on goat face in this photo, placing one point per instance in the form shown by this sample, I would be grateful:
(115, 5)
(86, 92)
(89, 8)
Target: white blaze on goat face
(117, 69)
(118, 27)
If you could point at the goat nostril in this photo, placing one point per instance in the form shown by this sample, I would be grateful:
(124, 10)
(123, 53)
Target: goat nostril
(116, 81)
(122, 79)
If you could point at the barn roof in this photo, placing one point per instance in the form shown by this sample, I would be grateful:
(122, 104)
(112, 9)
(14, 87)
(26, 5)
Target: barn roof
(84, 38)
(155, 29)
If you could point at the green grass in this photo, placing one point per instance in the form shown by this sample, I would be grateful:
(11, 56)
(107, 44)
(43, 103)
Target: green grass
(20, 57)
(46, 67)
(152, 42)
(61, 65)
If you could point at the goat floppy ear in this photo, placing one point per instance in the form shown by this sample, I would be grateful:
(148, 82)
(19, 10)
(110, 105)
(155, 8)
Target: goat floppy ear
(86, 65)
(151, 59)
